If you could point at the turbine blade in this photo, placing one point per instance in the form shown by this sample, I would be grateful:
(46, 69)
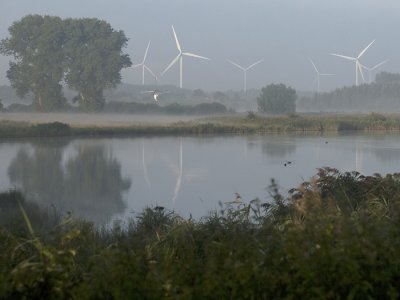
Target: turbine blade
(365, 49)
(138, 65)
(176, 40)
(365, 67)
(315, 68)
(145, 92)
(345, 57)
(171, 64)
(256, 63)
(150, 71)
(361, 71)
(235, 64)
(194, 55)
(145, 54)
(380, 64)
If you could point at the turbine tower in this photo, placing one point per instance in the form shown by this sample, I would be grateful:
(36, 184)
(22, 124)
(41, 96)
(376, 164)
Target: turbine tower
(318, 75)
(180, 58)
(356, 61)
(244, 71)
(373, 68)
(143, 65)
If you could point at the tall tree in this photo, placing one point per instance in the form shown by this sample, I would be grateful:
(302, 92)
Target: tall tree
(36, 43)
(94, 60)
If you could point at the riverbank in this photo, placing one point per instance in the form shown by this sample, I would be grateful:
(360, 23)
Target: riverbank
(42, 125)
(335, 237)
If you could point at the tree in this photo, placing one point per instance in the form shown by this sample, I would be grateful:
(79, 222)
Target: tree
(36, 43)
(94, 60)
(85, 53)
(277, 99)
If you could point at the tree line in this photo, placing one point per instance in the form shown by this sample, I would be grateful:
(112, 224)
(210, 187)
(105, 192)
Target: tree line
(382, 95)
(49, 52)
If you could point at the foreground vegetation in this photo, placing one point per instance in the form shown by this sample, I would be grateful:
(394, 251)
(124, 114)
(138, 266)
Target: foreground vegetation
(250, 123)
(335, 237)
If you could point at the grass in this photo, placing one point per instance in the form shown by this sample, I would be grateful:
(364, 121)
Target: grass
(228, 124)
(336, 236)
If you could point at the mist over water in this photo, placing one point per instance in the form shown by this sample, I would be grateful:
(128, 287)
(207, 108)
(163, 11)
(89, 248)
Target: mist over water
(107, 179)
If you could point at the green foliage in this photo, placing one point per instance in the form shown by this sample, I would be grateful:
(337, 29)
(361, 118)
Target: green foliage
(93, 59)
(277, 99)
(334, 237)
(86, 53)
(36, 43)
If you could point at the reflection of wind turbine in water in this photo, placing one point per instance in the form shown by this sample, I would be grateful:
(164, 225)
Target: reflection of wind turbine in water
(146, 177)
(180, 173)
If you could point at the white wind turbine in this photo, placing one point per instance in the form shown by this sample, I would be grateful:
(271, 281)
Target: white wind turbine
(356, 61)
(244, 71)
(373, 68)
(318, 75)
(180, 58)
(143, 65)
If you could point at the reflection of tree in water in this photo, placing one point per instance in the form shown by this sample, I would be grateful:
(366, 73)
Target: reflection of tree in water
(91, 185)
(40, 175)
(277, 149)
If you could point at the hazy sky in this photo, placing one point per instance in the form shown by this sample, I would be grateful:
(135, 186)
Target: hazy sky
(285, 33)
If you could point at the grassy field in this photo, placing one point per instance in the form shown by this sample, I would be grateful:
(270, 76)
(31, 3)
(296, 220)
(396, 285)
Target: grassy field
(335, 237)
(250, 123)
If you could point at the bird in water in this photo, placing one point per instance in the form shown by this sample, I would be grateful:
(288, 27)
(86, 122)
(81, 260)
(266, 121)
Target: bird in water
(287, 163)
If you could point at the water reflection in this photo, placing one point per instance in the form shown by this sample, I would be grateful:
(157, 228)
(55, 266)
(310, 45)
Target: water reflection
(105, 179)
(278, 149)
(89, 183)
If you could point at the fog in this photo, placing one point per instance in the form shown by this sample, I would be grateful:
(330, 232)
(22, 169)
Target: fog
(283, 33)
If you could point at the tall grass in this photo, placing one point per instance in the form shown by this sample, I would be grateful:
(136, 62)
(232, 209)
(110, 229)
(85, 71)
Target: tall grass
(228, 124)
(334, 237)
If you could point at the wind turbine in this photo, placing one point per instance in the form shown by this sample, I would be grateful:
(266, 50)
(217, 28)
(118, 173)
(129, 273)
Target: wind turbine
(143, 65)
(373, 68)
(180, 58)
(244, 71)
(319, 74)
(356, 61)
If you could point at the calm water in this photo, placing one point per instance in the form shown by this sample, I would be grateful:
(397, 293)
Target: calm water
(107, 179)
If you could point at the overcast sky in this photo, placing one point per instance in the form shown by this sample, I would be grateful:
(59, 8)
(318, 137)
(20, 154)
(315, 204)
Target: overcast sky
(285, 33)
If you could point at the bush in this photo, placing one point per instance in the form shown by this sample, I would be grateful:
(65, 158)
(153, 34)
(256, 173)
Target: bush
(277, 99)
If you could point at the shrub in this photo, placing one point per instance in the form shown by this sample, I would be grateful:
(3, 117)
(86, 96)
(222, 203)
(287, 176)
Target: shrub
(277, 99)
